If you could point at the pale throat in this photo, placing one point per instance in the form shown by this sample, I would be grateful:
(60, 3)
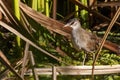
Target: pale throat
(76, 27)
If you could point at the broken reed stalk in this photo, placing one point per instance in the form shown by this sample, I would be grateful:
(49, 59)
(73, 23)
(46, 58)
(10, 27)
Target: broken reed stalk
(104, 39)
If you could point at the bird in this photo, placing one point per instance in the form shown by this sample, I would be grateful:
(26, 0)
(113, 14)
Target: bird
(81, 38)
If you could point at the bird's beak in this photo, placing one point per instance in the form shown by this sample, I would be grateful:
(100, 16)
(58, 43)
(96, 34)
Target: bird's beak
(66, 25)
(67, 28)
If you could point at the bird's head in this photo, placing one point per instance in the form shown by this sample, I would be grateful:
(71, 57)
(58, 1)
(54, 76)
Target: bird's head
(73, 23)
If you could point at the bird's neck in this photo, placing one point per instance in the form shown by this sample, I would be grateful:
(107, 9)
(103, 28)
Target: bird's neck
(77, 29)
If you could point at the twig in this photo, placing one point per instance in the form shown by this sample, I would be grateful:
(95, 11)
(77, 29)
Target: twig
(104, 39)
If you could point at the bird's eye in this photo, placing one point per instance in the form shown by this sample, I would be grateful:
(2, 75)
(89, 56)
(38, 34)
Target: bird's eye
(72, 23)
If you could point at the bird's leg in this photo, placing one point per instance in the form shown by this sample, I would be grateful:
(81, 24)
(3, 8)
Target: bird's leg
(93, 56)
(85, 56)
(83, 63)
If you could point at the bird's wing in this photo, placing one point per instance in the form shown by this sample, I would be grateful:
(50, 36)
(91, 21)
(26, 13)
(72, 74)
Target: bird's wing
(90, 40)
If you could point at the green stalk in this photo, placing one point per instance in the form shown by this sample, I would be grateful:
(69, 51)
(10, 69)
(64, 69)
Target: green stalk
(76, 9)
(40, 5)
(84, 13)
(16, 8)
(17, 14)
(47, 8)
(34, 4)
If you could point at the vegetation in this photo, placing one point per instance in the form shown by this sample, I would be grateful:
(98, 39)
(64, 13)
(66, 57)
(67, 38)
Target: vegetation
(51, 42)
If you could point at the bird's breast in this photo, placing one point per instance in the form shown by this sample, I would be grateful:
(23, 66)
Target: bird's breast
(78, 39)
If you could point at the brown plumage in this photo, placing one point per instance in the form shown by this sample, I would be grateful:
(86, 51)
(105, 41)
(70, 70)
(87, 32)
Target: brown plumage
(81, 38)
